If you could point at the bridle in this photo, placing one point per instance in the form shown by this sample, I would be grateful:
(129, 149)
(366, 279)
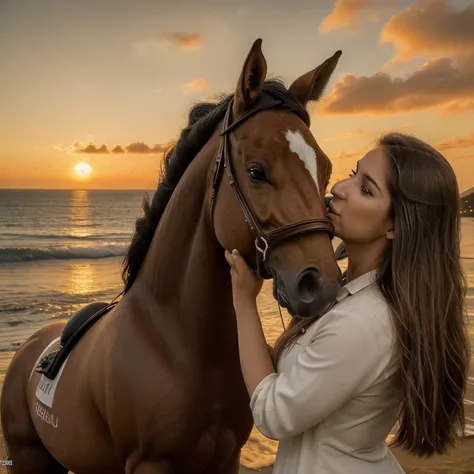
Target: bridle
(263, 240)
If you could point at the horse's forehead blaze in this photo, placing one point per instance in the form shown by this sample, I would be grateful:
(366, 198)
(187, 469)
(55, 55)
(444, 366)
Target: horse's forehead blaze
(305, 153)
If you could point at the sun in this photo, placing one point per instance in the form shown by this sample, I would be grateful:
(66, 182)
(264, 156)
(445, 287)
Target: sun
(83, 169)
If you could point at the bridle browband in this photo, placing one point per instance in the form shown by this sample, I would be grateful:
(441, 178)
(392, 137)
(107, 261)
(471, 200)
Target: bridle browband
(263, 240)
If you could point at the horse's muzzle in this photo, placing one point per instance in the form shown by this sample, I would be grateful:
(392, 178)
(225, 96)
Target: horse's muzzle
(303, 294)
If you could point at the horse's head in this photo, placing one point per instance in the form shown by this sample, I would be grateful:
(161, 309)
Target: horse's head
(273, 212)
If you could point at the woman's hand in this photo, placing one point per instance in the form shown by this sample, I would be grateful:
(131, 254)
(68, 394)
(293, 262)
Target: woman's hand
(246, 285)
(254, 353)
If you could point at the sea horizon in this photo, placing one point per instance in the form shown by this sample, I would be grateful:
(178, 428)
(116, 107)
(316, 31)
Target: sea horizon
(79, 188)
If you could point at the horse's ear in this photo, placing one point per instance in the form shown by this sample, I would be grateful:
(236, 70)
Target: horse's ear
(251, 79)
(310, 86)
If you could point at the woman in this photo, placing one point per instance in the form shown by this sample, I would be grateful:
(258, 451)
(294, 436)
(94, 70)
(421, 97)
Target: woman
(394, 345)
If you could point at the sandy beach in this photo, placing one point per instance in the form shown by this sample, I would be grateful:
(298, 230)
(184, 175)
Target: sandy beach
(459, 461)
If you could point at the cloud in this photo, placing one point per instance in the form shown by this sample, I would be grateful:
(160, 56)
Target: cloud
(463, 157)
(429, 26)
(346, 136)
(456, 143)
(344, 155)
(197, 84)
(157, 149)
(457, 107)
(439, 82)
(118, 149)
(343, 15)
(90, 149)
(184, 42)
(136, 148)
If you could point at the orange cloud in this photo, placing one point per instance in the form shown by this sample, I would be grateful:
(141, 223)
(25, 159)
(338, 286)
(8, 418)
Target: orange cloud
(118, 149)
(458, 142)
(156, 149)
(343, 15)
(184, 42)
(463, 157)
(439, 82)
(346, 136)
(457, 107)
(136, 148)
(197, 84)
(90, 149)
(344, 155)
(429, 26)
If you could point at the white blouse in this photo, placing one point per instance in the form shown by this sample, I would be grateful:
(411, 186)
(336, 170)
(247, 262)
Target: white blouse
(334, 399)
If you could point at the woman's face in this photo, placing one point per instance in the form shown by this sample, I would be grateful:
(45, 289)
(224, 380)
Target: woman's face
(359, 210)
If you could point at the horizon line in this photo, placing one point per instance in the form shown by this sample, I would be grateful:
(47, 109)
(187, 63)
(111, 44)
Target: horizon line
(77, 189)
(116, 189)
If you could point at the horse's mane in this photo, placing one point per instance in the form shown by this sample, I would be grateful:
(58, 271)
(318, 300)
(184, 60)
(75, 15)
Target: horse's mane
(202, 121)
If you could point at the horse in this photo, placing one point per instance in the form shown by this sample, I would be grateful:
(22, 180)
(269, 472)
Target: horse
(152, 383)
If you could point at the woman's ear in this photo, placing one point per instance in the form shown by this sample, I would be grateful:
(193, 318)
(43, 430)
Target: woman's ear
(390, 234)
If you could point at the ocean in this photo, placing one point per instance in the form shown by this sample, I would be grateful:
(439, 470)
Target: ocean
(62, 249)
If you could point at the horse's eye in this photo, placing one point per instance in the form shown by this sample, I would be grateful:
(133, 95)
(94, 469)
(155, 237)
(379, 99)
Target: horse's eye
(257, 174)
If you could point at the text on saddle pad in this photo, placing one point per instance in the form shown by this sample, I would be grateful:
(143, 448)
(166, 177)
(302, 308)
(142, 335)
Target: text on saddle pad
(46, 387)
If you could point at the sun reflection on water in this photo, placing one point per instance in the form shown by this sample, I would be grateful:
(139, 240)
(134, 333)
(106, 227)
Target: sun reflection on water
(82, 279)
(80, 213)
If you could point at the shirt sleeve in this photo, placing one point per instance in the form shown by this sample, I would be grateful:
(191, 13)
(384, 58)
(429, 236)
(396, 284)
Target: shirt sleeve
(344, 358)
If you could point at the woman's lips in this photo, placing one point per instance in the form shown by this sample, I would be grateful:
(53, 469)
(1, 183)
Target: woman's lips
(331, 209)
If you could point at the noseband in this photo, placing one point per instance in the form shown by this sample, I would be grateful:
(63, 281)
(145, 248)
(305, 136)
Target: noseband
(263, 240)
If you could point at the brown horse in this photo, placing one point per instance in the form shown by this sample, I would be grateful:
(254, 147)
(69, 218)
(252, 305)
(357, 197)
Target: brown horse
(154, 385)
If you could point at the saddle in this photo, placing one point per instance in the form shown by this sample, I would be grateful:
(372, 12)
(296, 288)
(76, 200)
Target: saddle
(78, 324)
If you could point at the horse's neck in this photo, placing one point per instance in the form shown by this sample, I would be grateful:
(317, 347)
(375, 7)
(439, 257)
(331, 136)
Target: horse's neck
(185, 281)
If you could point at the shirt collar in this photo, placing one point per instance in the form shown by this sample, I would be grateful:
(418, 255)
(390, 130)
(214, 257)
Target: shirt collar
(356, 285)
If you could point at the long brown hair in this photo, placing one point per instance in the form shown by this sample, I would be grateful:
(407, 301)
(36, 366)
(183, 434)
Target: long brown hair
(421, 278)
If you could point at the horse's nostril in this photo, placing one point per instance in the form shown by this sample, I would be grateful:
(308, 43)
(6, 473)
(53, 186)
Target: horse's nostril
(309, 285)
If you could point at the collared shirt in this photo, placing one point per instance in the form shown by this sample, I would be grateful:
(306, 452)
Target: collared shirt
(334, 398)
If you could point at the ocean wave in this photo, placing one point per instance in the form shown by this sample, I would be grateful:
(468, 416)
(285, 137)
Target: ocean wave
(59, 305)
(23, 254)
(16, 308)
(12, 347)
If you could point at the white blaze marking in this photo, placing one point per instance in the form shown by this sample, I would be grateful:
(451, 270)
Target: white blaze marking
(305, 153)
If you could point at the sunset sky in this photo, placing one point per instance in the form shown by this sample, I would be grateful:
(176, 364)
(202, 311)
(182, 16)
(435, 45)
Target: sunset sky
(110, 82)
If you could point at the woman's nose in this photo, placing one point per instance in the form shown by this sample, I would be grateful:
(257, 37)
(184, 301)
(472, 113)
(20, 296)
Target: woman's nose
(337, 192)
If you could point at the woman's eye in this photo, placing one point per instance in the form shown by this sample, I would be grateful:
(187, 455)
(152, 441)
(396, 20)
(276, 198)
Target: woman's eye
(257, 174)
(363, 189)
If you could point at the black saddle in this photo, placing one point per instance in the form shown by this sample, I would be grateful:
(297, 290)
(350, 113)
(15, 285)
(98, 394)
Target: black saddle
(78, 324)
